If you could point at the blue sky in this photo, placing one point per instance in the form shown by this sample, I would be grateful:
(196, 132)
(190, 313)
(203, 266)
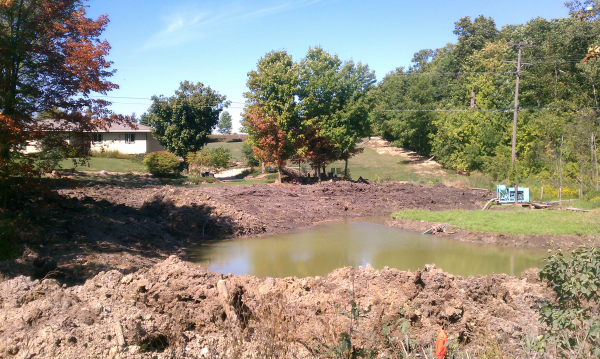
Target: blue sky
(158, 44)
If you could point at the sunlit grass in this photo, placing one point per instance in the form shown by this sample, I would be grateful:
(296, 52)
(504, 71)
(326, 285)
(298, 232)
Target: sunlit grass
(518, 221)
(97, 164)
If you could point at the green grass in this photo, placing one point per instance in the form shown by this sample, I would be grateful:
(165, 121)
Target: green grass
(234, 147)
(97, 164)
(518, 221)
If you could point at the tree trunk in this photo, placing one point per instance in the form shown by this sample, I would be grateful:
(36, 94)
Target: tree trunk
(263, 166)
(279, 172)
(318, 171)
(473, 97)
(346, 170)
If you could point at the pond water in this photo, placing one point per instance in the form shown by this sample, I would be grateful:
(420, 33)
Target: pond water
(322, 248)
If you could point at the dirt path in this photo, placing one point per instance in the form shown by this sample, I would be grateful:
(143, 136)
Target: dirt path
(420, 164)
(230, 174)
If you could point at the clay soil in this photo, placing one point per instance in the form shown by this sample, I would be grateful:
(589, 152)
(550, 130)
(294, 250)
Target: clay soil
(104, 275)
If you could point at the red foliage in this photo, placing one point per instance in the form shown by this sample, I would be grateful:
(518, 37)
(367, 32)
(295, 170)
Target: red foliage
(51, 60)
(271, 141)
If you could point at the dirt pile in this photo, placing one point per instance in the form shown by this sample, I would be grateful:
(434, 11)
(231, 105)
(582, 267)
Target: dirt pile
(178, 310)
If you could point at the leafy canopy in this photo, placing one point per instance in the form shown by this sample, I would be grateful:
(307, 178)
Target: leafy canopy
(51, 62)
(182, 123)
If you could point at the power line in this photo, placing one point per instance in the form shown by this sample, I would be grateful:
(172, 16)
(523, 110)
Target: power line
(138, 98)
(505, 110)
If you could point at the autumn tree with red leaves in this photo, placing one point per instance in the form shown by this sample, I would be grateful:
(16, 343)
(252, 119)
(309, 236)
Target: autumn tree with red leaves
(270, 117)
(51, 60)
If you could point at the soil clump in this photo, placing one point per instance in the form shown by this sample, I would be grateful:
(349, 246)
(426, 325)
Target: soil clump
(175, 309)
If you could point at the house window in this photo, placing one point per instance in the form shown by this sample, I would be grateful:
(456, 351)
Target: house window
(96, 137)
(129, 137)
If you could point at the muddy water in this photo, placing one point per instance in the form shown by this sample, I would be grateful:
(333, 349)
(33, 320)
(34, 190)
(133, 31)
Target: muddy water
(320, 249)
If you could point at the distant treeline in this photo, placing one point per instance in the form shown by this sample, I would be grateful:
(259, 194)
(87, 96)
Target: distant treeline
(456, 102)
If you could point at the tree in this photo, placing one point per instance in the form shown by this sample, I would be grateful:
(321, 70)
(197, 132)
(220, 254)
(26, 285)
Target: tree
(224, 126)
(51, 60)
(335, 114)
(145, 119)
(182, 123)
(271, 114)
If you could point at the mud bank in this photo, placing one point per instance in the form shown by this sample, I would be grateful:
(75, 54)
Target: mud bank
(174, 309)
(550, 241)
(74, 233)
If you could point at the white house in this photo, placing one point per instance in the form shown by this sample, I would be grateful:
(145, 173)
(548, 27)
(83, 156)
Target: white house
(118, 137)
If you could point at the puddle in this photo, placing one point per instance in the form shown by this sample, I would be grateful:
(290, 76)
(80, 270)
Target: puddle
(320, 249)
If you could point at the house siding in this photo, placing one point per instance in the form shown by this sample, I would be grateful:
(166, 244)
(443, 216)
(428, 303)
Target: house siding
(111, 141)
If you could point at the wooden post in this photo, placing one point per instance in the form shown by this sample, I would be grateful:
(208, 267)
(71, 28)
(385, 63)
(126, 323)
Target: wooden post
(520, 45)
(542, 195)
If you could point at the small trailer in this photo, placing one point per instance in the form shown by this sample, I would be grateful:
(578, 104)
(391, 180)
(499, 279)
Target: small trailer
(507, 194)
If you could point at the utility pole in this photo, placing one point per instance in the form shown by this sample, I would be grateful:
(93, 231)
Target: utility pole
(520, 45)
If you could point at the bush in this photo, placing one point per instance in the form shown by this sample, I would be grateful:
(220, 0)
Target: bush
(573, 320)
(138, 157)
(211, 159)
(248, 152)
(161, 163)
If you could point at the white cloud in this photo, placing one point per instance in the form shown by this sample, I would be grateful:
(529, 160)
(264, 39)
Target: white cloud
(189, 23)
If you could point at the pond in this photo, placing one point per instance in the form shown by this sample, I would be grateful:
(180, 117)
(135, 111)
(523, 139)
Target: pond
(320, 249)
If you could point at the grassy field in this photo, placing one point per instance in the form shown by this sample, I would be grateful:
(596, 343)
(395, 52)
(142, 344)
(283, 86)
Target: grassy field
(108, 164)
(234, 147)
(519, 221)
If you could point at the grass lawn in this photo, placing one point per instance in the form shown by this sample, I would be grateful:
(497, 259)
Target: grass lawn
(519, 221)
(108, 164)
(234, 147)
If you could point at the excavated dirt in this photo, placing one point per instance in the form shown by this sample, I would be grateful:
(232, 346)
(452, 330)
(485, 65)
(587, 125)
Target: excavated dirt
(104, 276)
(177, 310)
(76, 232)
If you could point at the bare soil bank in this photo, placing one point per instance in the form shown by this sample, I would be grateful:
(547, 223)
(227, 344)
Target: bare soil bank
(551, 241)
(112, 283)
(177, 310)
(82, 231)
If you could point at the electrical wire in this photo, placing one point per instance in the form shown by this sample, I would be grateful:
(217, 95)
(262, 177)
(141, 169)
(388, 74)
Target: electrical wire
(496, 110)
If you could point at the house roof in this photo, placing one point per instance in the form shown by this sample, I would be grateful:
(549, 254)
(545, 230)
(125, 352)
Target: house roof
(61, 125)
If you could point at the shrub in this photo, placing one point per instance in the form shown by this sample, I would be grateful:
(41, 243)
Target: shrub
(248, 152)
(572, 321)
(161, 163)
(209, 159)
(219, 157)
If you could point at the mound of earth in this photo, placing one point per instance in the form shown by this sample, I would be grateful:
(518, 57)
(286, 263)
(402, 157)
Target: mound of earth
(177, 310)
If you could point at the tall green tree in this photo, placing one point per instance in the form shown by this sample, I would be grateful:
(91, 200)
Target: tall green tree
(271, 113)
(334, 106)
(182, 123)
(225, 125)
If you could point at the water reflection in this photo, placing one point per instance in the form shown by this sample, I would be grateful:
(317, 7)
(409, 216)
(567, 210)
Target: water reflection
(324, 247)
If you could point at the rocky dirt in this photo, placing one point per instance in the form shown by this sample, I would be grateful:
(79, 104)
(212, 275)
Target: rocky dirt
(177, 310)
(104, 276)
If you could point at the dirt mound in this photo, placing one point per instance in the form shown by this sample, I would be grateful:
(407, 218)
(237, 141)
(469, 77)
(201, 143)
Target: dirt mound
(175, 309)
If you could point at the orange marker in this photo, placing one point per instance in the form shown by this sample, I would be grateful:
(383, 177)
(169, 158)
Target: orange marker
(440, 348)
